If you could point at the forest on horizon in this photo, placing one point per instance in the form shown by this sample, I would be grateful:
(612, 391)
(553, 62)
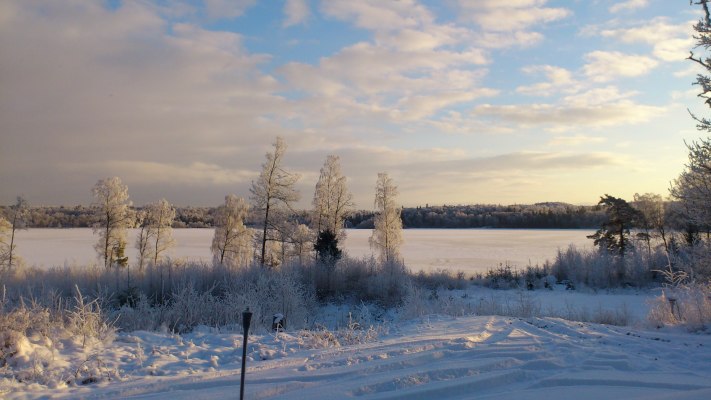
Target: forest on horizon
(549, 215)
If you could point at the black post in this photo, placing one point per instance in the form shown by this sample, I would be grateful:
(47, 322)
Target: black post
(246, 319)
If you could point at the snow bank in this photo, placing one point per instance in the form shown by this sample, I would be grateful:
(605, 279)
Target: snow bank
(432, 357)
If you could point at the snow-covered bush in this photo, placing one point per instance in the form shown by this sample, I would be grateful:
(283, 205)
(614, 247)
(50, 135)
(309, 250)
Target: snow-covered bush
(441, 278)
(687, 305)
(600, 269)
(31, 336)
(421, 301)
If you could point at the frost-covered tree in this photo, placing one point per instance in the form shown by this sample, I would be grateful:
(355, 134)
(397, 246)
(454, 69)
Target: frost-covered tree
(302, 241)
(387, 235)
(272, 195)
(111, 219)
(5, 228)
(332, 200)
(231, 244)
(156, 234)
(16, 219)
(161, 215)
(652, 219)
(693, 187)
(703, 41)
(143, 240)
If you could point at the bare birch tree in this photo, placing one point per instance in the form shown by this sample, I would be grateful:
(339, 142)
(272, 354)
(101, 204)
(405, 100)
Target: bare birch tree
(143, 239)
(387, 235)
(302, 239)
(5, 228)
(16, 219)
(231, 244)
(653, 221)
(156, 234)
(112, 218)
(272, 195)
(332, 201)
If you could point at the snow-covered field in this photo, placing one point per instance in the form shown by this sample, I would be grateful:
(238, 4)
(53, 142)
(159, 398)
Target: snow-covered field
(429, 358)
(426, 357)
(469, 250)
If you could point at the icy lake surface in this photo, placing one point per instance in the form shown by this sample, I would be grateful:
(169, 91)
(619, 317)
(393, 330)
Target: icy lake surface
(469, 250)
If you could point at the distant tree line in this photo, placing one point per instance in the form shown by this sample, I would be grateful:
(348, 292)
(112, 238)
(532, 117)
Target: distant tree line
(535, 216)
(83, 216)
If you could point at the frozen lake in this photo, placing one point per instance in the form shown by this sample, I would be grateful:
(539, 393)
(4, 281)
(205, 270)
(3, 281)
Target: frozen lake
(469, 250)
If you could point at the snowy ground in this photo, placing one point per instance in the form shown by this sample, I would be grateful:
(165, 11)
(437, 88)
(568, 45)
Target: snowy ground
(435, 357)
(424, 358)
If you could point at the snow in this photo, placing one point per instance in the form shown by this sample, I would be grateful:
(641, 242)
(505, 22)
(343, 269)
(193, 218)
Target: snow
(431, 357)
(468, 250)
(428, 357)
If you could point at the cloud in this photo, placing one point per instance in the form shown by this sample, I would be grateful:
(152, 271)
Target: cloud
(227, 9)
(379, 15)
(670, 42)
(195, 173)
(577, 140)
(559, 79)
(516, 15)
(296, 11)
(628, 5)
(144, 91)
(127, 84)
(601, 107)
(413, 68)
(603, 66)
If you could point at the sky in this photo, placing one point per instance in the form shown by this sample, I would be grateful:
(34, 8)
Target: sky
(459, 101)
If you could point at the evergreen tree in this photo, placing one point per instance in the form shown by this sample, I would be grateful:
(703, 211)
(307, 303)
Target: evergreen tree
(614, 233)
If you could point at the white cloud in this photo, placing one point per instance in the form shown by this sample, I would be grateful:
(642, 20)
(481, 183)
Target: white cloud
(413, 68)
(670, 42)
(516, 15)
(628, 5)
(296, 11)
(600, 107)
(603, 66)
(576, 140)
(558, 79)
(379, 15)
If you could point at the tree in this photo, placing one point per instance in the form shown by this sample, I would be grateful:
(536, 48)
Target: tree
(231, 244)
(155, 234)
(652, 218)
(5, 227)
(693, 186)
(272, 195)
(332, 201)
(302, 240)
(703, 40)
(387, 235)
(613, 235)
(112, 218)
(143, 239)
(16, 219)
(326, 247)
